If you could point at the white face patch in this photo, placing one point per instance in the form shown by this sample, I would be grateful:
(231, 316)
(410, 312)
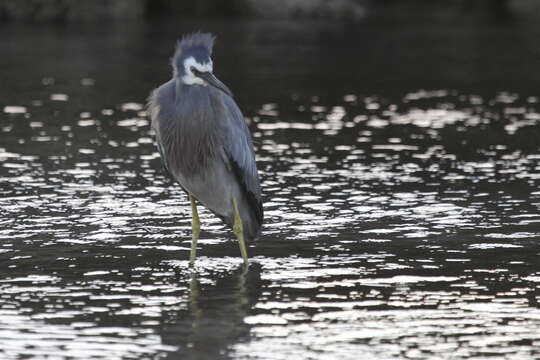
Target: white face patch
(189, 78)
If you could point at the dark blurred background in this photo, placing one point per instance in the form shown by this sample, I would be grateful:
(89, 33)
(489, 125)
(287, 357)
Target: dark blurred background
(268, 50)
(73, 10)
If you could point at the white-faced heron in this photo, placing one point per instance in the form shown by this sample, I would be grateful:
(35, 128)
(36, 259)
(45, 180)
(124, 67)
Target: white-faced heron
(205, 143)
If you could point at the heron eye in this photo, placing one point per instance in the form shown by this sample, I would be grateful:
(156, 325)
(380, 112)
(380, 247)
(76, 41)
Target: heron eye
(194, 71)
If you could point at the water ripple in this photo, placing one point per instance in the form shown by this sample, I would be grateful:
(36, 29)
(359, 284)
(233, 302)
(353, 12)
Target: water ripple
(395, 229)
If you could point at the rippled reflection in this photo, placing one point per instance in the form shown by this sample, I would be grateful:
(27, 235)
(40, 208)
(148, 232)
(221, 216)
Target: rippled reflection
(399, 228)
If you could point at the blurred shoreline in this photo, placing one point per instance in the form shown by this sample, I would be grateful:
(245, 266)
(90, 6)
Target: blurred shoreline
(62, 11)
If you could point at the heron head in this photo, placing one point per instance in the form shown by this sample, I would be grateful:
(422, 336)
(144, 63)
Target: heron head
(192, 61)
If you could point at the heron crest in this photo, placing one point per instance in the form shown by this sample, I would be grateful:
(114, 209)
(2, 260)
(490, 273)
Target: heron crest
(202, 41)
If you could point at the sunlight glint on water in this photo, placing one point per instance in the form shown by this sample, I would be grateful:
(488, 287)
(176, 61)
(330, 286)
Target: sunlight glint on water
(394, 228)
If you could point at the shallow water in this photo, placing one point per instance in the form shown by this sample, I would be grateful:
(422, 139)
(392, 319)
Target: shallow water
(397, 226)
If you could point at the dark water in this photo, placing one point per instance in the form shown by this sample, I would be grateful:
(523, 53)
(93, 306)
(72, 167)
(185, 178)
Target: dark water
(400, 223)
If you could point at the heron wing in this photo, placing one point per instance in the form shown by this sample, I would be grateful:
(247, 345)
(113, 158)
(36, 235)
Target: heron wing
(153, 107)
(239, 156)
(153, 110)
(162, 156)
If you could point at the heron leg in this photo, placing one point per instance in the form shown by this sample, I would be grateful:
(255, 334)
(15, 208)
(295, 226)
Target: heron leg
(195, 230)
(238, 229)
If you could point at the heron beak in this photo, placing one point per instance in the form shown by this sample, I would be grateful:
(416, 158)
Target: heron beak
(214, 81)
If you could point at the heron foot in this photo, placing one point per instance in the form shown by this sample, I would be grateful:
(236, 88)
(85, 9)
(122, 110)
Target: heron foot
(195, 230)
(238, 229)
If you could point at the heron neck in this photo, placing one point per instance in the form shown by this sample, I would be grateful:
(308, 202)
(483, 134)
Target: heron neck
(180, 86)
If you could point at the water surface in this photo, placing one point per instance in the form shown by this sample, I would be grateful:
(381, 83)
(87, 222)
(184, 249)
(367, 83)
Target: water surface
(399, 224)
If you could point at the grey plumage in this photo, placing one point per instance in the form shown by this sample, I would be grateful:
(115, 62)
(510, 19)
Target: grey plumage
(203, 139)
